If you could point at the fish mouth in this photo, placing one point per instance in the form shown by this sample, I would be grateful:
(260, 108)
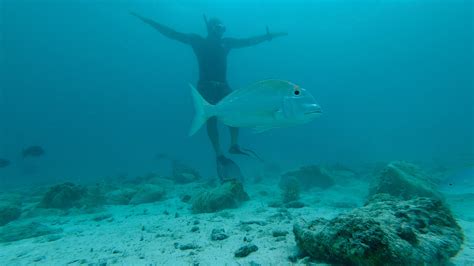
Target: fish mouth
(314, 112)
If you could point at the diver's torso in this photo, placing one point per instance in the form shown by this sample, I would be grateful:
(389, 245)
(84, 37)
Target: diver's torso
(212, 60)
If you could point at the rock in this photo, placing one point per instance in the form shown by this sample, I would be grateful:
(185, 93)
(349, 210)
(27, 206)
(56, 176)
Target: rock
(63, 196)
(218, 234)
(188, 246)
(309, 176)
(53, 237)
(39, 258)
(194, 229)
(278, 233)
(404, 180)
(257, 222)
(290, 189)
(8, 213)
(245, 228)
(227, 195)
(275, 204)
(120, 196)
(148, 193)
(387, 231)
(280, 238)
(293, 258)
(102, 217)
(15, 232)
(94, 197)
(247, 239)
(244, 251)
(184, 178)
(185, 198)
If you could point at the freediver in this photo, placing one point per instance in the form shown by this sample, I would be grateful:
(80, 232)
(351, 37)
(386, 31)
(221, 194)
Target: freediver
(211, 53)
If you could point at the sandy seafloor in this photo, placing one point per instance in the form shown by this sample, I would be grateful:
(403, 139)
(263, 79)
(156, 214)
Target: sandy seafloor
(148, 234)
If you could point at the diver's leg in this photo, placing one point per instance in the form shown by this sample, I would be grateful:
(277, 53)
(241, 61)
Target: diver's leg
(213, 134)
(234, 136)
(234, 146)
(226, 168)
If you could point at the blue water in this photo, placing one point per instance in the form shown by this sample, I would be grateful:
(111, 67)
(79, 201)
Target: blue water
(103, 93)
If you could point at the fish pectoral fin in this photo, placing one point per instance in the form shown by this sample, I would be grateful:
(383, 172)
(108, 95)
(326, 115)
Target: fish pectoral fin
(278, 114)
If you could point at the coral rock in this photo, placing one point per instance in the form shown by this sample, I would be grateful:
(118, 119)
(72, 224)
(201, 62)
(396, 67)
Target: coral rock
(120, 196)
(227, 195)
(8, 213)
(63, 196)
(147, 194)
(404, 180)
(309, 176)
(387, 231)
(244, 251)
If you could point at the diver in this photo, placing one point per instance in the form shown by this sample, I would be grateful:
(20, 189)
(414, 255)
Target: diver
(211, 53)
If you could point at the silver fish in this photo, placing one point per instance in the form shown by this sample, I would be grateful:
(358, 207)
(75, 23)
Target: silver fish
(262, 106)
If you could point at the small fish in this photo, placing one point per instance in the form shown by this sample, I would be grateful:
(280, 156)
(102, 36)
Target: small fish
(262, 106)
(33, 151)
(4, 163)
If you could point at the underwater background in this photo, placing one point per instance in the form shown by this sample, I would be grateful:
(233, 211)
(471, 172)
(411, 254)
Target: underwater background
(104, 93)
(97, 168)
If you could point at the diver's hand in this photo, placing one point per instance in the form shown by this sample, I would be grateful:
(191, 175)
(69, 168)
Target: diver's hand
(138, 16)
(271, 35)
(277, 34)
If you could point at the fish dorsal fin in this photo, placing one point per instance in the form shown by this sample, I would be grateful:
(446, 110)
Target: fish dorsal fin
(268, 84)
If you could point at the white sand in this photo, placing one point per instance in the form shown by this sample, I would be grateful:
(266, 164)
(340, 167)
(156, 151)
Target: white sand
(145, 235)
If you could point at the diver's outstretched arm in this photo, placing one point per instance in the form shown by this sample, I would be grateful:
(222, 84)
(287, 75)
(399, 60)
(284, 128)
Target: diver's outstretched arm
(167, 31)
(246, 42)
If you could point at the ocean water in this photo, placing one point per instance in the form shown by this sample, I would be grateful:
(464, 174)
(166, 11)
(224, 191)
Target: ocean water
(105, 95)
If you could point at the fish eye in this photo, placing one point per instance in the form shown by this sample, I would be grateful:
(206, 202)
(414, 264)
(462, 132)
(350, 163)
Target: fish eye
(297, 92)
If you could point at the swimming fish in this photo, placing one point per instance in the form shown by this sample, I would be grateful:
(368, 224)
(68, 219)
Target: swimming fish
(33, 151)
(262, 106)
(4, 163)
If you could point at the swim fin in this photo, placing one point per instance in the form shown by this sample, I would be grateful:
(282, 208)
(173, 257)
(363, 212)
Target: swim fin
(228, 169)
(235, 149)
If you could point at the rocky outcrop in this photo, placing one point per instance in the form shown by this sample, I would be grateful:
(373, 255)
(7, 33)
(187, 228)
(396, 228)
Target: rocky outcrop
(290, 189)
(139, 194)
(63, 196)
(8, 213)
(404, 180)
(148, 193)
(387, 231)
(309, 176)
(120, 196)
(228, 195)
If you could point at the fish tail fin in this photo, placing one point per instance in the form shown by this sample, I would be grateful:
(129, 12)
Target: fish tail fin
(204, 111)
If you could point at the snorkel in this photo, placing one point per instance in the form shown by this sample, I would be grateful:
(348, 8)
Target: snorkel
(215, 28)
(205, 21)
